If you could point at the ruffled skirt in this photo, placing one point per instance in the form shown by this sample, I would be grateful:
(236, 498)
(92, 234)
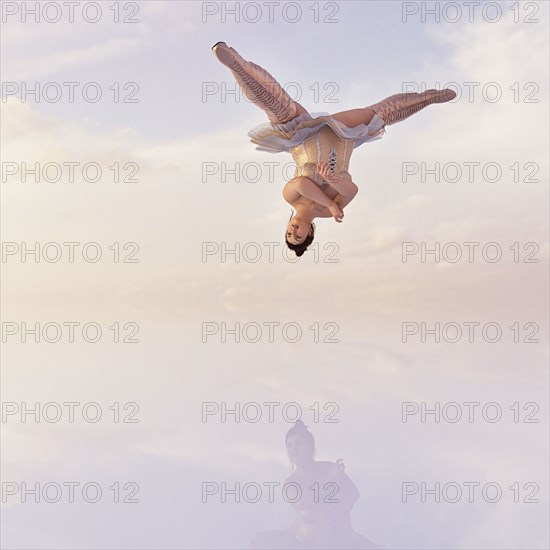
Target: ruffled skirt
(274, 138)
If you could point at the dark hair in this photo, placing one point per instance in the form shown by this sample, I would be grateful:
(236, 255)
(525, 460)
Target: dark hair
(300, 429)
(302, 247)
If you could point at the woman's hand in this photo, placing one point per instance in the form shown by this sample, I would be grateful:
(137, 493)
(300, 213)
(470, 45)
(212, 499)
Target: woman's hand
(324, 171)
(336, 212)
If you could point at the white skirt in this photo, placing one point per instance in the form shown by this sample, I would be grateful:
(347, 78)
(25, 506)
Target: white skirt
(275, 138)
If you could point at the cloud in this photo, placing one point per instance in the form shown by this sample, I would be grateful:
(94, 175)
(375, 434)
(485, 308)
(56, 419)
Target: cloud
(55, 63)
(367, 293)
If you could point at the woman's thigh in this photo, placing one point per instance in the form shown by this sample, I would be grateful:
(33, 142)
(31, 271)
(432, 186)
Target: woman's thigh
(354, 117)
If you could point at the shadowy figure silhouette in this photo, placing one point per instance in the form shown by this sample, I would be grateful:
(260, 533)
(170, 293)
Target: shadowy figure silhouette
(326, 497)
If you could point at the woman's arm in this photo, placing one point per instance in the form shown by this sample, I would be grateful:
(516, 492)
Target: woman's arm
(302, 186)
(310, 190)
(345, 187)
(346, 488)
(342, 201)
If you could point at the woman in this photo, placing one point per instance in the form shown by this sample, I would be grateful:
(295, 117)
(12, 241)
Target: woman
(326, 497)
(321, 146)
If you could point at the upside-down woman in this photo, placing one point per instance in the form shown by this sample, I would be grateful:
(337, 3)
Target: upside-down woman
(321, 146)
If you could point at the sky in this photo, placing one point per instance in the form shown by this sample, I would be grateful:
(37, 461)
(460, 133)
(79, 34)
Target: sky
(181, 187)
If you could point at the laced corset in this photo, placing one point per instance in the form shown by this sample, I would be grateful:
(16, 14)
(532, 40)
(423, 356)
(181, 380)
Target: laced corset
(324, 146)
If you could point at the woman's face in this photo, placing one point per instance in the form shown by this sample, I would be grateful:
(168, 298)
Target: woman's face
(298, 450)
(297, 230)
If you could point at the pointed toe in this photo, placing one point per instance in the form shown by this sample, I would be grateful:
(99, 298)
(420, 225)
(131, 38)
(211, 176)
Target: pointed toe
(446, 95)
(226, 55)
(216, 45)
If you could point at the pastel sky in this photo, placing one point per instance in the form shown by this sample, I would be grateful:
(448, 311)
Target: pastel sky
(177, 210)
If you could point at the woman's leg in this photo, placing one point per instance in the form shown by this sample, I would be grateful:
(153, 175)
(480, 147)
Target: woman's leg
(394, 108)
(259, 86)
(354, 117)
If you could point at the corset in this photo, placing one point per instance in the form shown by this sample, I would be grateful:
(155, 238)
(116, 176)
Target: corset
(324, 146)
